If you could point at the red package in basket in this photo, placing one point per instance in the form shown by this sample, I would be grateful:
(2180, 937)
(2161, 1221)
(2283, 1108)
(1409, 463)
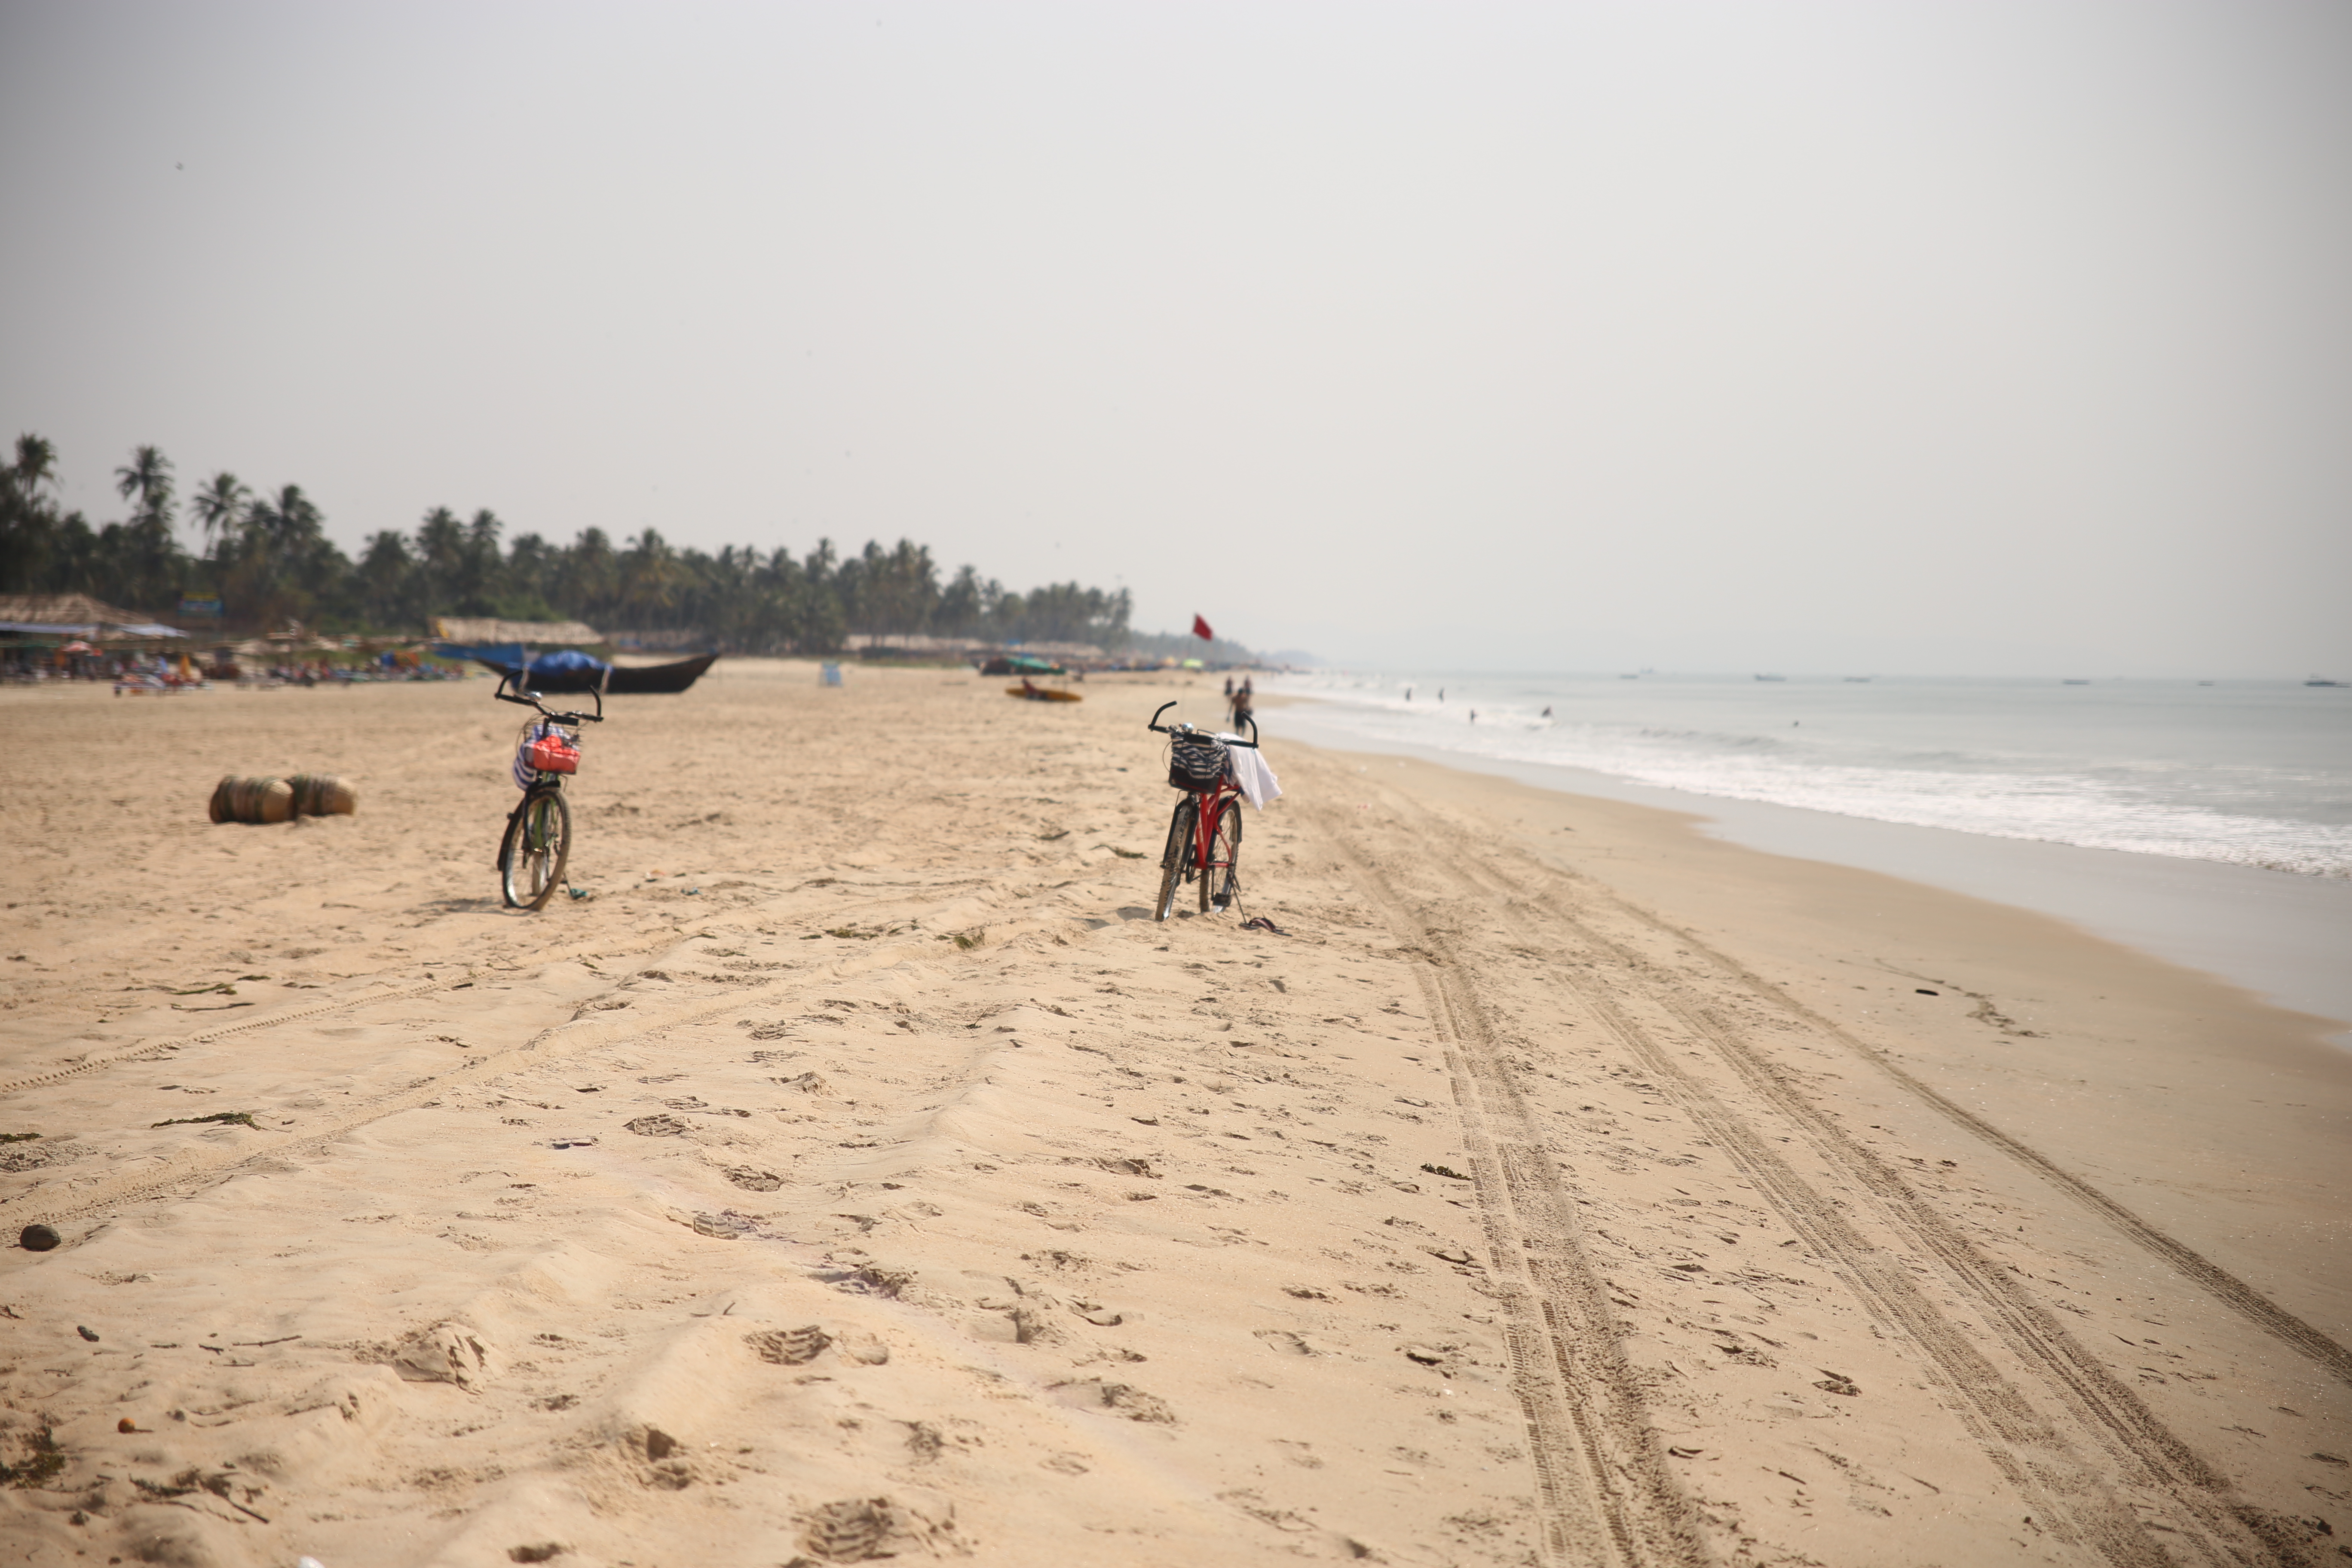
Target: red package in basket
(554, 754)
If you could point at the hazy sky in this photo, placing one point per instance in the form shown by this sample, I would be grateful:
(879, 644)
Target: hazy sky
(1971, 337)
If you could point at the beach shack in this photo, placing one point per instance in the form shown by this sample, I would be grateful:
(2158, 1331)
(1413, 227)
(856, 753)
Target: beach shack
(73, 635)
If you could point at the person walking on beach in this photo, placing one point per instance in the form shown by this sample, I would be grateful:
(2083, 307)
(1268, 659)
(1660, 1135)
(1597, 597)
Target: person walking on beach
(1241, 703)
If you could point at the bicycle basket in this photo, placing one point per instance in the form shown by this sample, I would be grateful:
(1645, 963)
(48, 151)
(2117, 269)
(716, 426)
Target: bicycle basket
(554, 754)
(545, 749)
(1196, 761)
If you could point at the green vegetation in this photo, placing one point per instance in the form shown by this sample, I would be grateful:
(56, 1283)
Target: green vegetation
(269, 559)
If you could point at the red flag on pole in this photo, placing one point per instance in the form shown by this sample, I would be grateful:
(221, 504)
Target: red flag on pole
(1201, 629)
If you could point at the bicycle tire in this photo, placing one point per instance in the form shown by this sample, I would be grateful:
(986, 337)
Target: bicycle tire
(1174, 859)
(1220, 879)
(538, 847)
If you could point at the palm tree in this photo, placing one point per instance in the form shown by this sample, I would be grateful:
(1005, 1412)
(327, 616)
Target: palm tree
(148, 557)
(387, 579)
(283, 558)
(650, 579)
(477, 564)
(440, 559)
(220, 506)
(148, 476)
(28, 517)
(36, 462)
(286, 525)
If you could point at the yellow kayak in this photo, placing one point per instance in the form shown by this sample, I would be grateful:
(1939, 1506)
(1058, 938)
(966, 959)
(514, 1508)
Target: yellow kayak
(1043, 694)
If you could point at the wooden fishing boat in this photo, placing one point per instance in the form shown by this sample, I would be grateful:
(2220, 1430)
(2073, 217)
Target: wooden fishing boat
(613, 680)
(645, 679)
(1042, 693)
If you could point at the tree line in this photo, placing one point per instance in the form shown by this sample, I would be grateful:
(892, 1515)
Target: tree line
(267, 556)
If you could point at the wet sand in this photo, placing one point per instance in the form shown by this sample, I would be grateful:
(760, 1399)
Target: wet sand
(1561, 1185)
(2279, 934)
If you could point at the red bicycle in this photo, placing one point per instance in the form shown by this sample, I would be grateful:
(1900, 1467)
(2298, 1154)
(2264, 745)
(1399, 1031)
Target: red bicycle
(1205, 835)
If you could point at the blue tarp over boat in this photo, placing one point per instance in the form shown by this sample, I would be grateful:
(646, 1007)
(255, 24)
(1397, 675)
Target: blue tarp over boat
(569, 669)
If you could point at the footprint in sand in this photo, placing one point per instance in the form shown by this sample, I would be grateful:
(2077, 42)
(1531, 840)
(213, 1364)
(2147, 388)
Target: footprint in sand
(790, 1347)
(858, 1529)
(1115, 1398)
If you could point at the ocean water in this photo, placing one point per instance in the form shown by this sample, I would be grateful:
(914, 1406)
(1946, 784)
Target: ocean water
(2244, 772)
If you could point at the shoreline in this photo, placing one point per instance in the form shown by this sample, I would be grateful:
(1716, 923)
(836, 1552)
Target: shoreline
(860, 1165)
(2278, 935)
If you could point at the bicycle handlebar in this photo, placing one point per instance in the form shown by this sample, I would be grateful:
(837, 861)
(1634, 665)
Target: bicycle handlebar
(526, 699)
(1153, 723)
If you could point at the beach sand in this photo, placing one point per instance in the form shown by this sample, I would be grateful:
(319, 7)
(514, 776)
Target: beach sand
(858, 1170)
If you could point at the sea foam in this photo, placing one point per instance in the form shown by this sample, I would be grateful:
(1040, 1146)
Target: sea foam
(2248, 774)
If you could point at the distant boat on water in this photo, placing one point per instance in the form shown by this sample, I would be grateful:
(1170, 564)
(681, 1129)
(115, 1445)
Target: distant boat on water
(2074, 683)
(1857, 680)
(1771, 678)
(2315, 680)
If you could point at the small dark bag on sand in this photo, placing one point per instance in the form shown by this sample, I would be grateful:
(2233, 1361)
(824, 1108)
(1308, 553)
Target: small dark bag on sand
(1196, 763)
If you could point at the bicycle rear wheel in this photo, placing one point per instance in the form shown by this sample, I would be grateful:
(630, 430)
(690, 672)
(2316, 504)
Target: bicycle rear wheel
(1220, 879)
(539, 843)
(1176, 861)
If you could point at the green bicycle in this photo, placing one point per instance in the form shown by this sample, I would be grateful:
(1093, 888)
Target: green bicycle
(536, 844)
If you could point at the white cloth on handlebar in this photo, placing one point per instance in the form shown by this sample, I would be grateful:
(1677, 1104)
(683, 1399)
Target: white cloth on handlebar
(1252, 773)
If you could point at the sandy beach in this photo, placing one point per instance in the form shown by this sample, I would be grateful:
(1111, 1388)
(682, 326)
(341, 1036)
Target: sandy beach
(857, 1170)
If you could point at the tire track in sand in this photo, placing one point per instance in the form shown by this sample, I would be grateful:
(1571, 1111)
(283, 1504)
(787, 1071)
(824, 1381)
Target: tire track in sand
(2225, 1288)
(1607, 1494)
(2024, 1442)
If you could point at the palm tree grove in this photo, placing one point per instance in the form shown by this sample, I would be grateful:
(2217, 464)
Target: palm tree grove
(267, 557)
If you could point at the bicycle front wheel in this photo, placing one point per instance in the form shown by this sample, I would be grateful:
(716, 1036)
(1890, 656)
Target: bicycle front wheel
(1220, 879)
(539, 843)
(1177, 859)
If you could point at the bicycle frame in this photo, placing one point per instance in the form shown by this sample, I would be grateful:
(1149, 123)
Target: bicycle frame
(1213, 805)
